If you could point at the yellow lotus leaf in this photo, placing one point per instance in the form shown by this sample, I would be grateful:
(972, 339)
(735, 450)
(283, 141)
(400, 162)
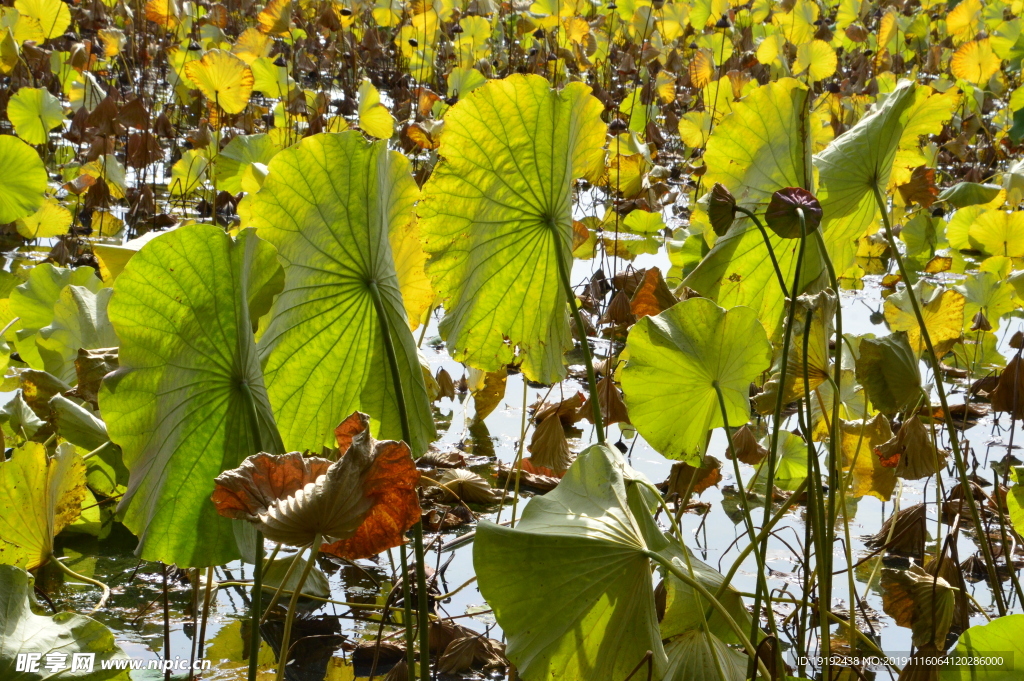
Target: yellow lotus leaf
(223, 78)
(374, 118)
(964, 22)
(695, 128)
(252, 45)
(798, 24)
(166, 13)
(39, 497)
(858, 441)
(702, 68)
(410, 263)
(975, 62)
(997, 232)
(770, 48)
(10, 51)
(942, 310)
(817, 58)
(276, 17)
(51, 220)
(34, 112)
(53, 16)
(665, 86)
(576, 29)
(113, 41)
(888, 30)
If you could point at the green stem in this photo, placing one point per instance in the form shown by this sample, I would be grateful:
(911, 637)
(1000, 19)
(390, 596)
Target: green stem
(768, 245)
(954, 442)
(88, 580)
(595, 403)
(289, 620)
(417, 529)
(410, 641)
(777, 415)
(762, 536)
(755, 624)
(256, 606)
(280, 588)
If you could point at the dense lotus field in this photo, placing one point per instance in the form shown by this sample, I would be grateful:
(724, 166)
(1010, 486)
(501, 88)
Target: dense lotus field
(465, 339)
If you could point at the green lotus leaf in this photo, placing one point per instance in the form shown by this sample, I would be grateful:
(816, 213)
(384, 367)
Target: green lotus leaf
(698, 655)
(189, 385)
(240, 153)
(330, 205)
(497, 213)
(39, 496)
(964, 194)
(989, 294)
(997, 232)
(33, 302)
(24, 181)
(78, 425)
(888, 369)
(20, 417)
(79, 321)
(757, 149)
(1001, 638)
(34, 112)
(683, 605)
(791, 467)
(571, 585)
(22, 632)
(863, 157)
(675, 360)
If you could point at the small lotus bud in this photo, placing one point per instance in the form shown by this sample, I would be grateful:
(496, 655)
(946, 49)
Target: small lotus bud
(980, 322)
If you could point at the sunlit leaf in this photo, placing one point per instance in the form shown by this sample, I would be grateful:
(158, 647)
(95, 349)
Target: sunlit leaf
(494, 225)
(942, 311)
(975, 62)
(332, 205)
(374, 118)
(39, 497)
(224, 79)
(188, 400)
(675, 361)
(53, 16)
(858, 441)
(24, 179)
(34, 112)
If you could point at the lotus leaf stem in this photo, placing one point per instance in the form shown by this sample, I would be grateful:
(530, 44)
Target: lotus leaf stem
(88, 580)
(289, 620)
(768, 245)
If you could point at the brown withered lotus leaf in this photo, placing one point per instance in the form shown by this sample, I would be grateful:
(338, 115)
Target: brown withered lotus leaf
(460, 484)
(652, 296)
(921, 188)
(445, 385)
(721, 209)
(568, 410)
(618, 311)
(908, 535)
(747, 448)
(911, 452)
(364, 501)
(1008, 394)
(919, 601)
(536, 481)
(707, 475)
(948, 570)
(468, 652)
(443, 632)
(549, 449)
(439, 459)
(91, 366)
(609, 399)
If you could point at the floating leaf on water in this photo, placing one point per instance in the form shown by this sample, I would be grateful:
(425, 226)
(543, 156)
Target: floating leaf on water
(458, 484)
(920, 602)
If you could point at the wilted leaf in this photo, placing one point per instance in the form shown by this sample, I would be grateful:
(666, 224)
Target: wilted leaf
(920, 602)
(859, 440)
(911, 452)
(942, 310)
(889, 371)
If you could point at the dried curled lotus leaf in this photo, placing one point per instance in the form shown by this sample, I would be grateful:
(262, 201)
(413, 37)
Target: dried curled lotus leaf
(920, 601)
(911, 452)
(549, 449)
(365, 500)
